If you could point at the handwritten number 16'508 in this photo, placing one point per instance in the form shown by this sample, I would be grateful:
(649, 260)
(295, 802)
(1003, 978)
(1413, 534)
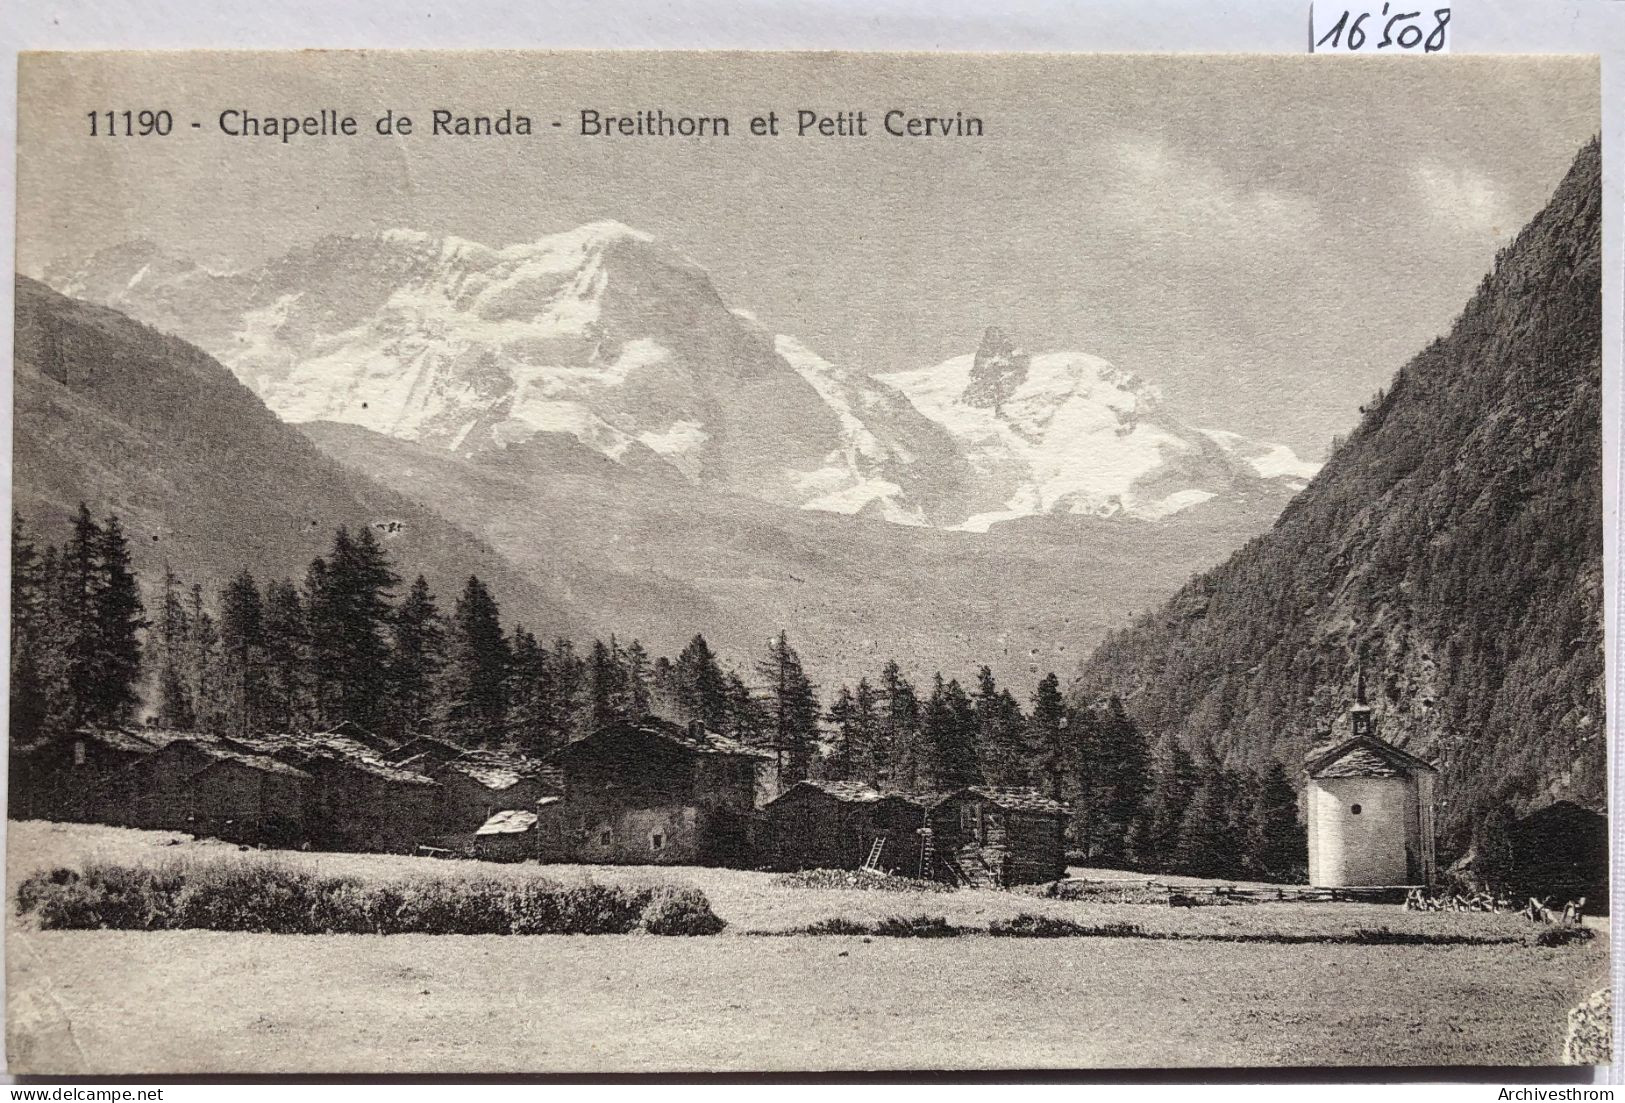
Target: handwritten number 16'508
(1406, 37)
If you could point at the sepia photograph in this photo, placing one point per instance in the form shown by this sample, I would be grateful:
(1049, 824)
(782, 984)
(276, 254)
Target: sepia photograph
(682, 562)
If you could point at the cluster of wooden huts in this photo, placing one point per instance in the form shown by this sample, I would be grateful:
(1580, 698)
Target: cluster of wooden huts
(644, 792)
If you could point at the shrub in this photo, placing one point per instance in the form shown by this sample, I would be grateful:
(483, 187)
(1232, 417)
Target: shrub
(266, 897)
(685, 911)
(37, 886)
(1562, 936)
(343, 905)
(592, 908)
(918, 926)
(838, 925)
(453, 907)
(1028, 925)
(858, 879)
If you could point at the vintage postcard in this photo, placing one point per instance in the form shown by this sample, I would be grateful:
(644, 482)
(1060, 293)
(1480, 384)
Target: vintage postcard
(661, 562)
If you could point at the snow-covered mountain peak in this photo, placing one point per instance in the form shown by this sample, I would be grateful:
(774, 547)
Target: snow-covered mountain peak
(607, 335)
(1067, 432)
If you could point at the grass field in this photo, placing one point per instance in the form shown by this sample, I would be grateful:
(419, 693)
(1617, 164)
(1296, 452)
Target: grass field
(193, 1001)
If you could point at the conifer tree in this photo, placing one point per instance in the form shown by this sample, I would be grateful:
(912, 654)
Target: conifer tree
(116, 669)
(360, 584)
(1000, 733)
(638, 676)
(606, 685)
(1047, 734)
(566, 689)
(287, 695)
(791, 707)
(897, 758)
(242, 652)
(417, 657)
(527, 722)
(1120, 778)
(202, 676)
(28, 641)
(949, 725)
(1154, 835)
(698, 685)
(74, 597)
(1207, 846)
(747, 717)
(840, 764)
(477, 668)
(866, 732)
(174, 705)
(1283, 846)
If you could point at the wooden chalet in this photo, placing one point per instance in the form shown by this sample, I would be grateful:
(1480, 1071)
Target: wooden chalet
(250, 799)
(988, 836)
(846, 825)
(65, 777)
(1561, 852)
(655, 792)
(476, 787)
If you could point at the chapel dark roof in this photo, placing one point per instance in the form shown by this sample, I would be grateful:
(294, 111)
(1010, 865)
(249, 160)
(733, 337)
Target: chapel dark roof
(1365, 756)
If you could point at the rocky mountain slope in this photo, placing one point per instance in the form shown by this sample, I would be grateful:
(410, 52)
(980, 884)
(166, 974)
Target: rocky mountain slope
(204, 477)
(608, 336)
(1452, 547)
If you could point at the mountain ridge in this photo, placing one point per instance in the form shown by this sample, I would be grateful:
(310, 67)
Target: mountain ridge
(607, 334)
(1451, 549)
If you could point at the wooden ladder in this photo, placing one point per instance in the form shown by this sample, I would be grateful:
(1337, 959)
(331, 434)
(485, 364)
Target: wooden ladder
(873, 861)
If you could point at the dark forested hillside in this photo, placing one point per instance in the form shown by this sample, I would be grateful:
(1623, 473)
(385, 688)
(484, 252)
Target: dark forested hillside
(204, 478)
(1452, 547)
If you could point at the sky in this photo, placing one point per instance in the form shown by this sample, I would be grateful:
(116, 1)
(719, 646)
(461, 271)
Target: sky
(1266, 239)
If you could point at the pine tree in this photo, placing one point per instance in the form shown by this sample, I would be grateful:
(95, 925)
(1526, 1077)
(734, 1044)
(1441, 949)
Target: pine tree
(28, 638)
(1047, 734)
(1207, 846)
(1154, 836)
(359, 586)
(791, 707)
(417, 657)
(288, 705)
(698, 685)
(606, 685)
(949, 726)
(840, 764)
(527, 723)
(866, 732)
(242, 651)
(566, 689)
(748, 721)
(477, 668)
(174, 710)
(897, 758)
(1120, 780)
(638, 675)
(202, 675)
(116, 668)
(1281, 851)
(74, 598)
(1000, 733)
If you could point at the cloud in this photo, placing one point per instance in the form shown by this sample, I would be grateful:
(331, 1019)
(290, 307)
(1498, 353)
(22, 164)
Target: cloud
(1458, 196)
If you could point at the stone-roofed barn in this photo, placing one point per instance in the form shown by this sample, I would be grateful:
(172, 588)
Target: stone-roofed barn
(836, 824)
(999, 836)
(65, 777)
(652, 791)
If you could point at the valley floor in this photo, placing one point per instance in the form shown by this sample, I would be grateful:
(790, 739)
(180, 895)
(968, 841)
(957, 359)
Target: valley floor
(196, 1001)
